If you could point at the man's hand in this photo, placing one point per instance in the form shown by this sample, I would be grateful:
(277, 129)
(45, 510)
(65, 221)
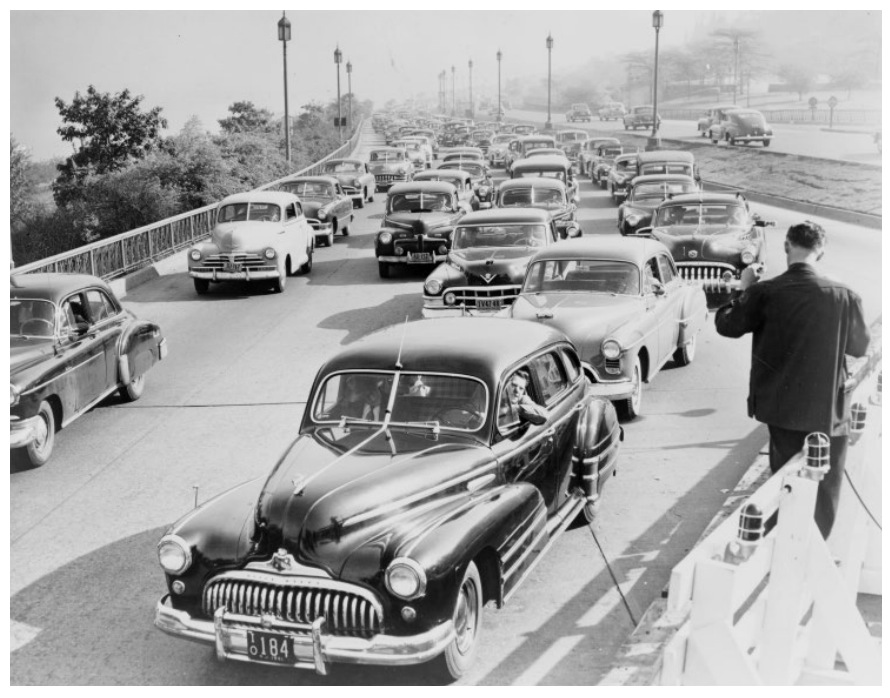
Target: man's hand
(750, 276)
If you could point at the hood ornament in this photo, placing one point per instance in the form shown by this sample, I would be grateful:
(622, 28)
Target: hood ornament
(299, 483)
(281, 560)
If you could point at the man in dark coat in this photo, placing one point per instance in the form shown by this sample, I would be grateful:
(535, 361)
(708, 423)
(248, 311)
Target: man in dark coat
(802, 324)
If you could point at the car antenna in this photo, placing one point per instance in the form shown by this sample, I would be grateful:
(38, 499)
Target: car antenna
(402, 344)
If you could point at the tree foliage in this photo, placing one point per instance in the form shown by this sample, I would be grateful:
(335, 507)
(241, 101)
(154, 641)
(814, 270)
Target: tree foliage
(799, 78)
(20, 186)
(246, 117)
(107, 131)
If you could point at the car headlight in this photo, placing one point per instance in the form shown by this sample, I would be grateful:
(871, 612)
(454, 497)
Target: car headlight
(174, 554)
(748, 257)
(195, 255)
(450, 298)
(611, 349)
(322, 214)
(433, 287)
(405, 579)
(384, 238)
(13, 395)
(269, 253)
(634, 218)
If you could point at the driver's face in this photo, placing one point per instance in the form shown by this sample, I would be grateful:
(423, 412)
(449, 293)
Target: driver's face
(516, 389)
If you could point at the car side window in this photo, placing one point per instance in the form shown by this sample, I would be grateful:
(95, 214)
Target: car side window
(550, 376)
(650, 275)
(667, 272)
(74, 312)
(508, 414)
(101, 307)
(290, 212)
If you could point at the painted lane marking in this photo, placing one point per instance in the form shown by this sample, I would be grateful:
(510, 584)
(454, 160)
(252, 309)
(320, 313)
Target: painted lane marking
(547, 661)
(21, 634)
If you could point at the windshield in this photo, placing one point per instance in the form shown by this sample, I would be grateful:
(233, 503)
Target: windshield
(310, 190)
(656, 168)
(584, 276)
(233, 213)
(504, 138)
(471, 167)
(341, 167)
(421, 399)
(658, 191)
(553, 174)
(699, 214)
(643, 110)
(419, 202)
(531, 145)
(31, 318)
(610, 152)
(539, 197)
(499, 236)
(386, 156)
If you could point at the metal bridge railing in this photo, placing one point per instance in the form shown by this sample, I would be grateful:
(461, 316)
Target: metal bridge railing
(126, 252)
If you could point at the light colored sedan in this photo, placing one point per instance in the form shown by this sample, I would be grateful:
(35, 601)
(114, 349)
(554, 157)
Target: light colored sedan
(260, 237)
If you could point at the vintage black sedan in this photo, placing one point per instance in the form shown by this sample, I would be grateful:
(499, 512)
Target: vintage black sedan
(417, 225)
(326, 206)
(489, 253)
(411, 497)
(546, 193)
(646, 193)
(622, 171)
(623, 304)
(71, 345)
(355, 178)
(712, 237)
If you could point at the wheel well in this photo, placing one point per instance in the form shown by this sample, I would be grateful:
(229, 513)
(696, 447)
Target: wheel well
(489, 570)
(334, 224)
(56, 405)
(288, 266)
(644, 363)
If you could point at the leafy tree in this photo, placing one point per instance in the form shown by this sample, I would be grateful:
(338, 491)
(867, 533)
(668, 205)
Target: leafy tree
(799, 78)
(849, 79)
(107, 131)
(20, 185)
(246, 117)
(252, 159)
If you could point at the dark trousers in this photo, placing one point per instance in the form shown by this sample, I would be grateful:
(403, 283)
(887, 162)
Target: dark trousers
(784, 444)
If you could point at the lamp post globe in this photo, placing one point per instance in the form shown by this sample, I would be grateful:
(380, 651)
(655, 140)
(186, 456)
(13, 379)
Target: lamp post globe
(284, 37)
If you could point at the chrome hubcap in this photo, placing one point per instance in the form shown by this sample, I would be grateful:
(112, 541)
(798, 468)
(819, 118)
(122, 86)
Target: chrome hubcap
(42, 435)
(465, 617)
(638, 389)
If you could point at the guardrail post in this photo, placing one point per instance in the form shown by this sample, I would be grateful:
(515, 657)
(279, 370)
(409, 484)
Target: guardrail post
(123, 254)
(93, 262)
(794, 532)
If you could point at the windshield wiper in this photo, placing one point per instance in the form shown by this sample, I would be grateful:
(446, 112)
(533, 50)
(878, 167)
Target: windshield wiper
(433, 426)
(345, 421)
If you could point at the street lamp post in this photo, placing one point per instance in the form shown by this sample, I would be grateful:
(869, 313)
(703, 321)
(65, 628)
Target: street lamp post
(500, 55)
(453, 112)
(735, 82)
(338, 59)
(284, 37)
(657, 23)
(549, 124)
(472, 111)
(349, 93)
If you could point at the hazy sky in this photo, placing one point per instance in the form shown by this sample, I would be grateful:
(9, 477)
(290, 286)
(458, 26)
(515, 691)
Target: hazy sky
(199, 62)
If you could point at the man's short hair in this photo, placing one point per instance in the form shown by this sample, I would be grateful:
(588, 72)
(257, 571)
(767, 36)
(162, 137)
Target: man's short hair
(808, 235)
(523, 375)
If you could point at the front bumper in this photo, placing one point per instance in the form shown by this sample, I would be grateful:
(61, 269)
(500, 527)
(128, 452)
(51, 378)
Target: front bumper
(245, 275)
(23, 432)
(403, 259)
(315, 649)
(613, 390)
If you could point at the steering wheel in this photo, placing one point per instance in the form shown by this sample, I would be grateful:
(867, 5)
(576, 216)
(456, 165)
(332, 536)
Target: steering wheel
(42, 327)
(461, 417)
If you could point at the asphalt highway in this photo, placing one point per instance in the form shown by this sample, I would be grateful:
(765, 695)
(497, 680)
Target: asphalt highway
(843, 143)
(84, 577)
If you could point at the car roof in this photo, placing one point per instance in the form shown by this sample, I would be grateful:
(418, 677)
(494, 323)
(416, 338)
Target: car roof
(648, 179)
(613, 247)
(52, 286)
(706, 197)
(571, 130)
(445, 345)
(422, 186)
(386, 148)
(321, 179)
(525, 182)
(535, 137)
(603, 140)
(434, 175)
(540, 162)
(743, 110)
(627, 157)
(505, 216)
(355, 161)
(661, 155)
(282, 198)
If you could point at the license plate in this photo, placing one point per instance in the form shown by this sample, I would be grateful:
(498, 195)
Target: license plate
(269, 647)
(420, 257)
(232, 267)
(488, 304)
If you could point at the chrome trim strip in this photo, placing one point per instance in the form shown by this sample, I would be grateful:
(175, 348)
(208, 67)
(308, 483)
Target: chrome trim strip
(538, 513)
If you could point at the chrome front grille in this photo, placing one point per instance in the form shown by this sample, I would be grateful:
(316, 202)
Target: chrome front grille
(385, 178)
(251, 262)
(296, 600)
(316, 224)
(705, 271)
(484, 297)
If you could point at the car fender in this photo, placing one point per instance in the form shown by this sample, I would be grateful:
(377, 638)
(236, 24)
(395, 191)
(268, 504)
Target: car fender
(138, 349)
(693, 313)
(595, 449)
(504, 520)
